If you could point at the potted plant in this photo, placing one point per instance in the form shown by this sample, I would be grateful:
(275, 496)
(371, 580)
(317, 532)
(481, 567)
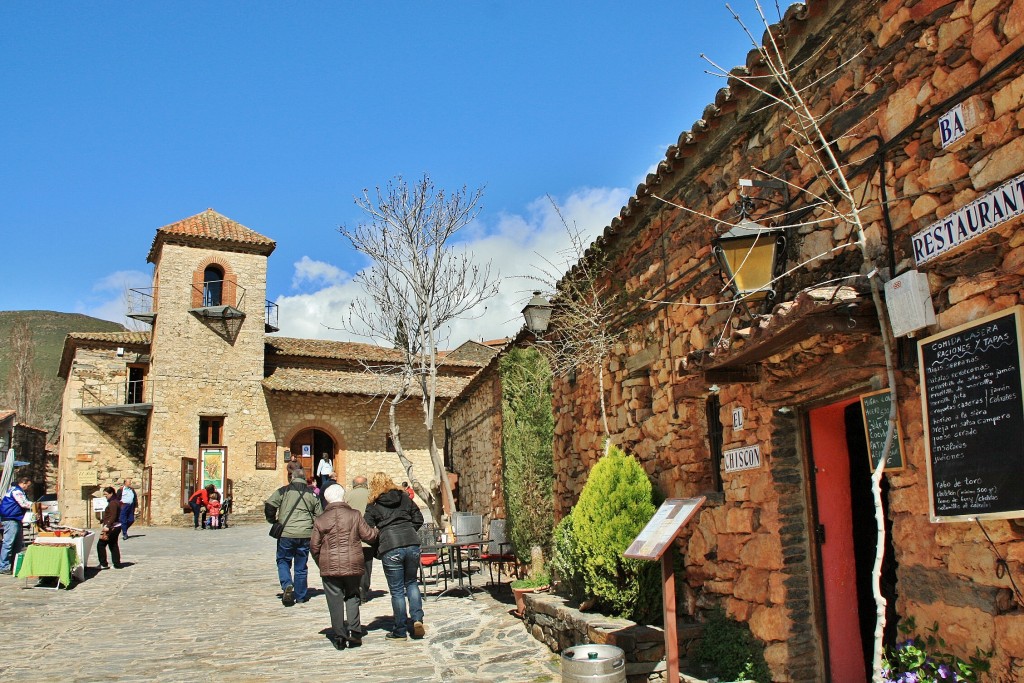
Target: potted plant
(534, 582)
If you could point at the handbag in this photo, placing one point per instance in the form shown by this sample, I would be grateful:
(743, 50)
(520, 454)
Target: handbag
(105, 535)
(277, 528)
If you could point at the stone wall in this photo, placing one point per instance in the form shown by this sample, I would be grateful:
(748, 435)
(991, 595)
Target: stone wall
(359, 427)
(112, 448)
(905, 63)
(207, 368)
(475, 445)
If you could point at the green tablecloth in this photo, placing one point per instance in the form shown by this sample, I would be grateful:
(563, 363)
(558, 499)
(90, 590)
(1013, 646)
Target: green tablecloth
(48, 560)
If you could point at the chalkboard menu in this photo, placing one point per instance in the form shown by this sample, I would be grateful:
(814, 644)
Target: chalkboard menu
(974, 418)
(875, 407)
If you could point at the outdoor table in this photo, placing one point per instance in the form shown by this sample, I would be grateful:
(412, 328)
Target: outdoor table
(83, 546)
(454, 553)
(49, 560)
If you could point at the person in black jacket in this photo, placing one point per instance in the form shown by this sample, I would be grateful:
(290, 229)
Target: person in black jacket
(398, 519)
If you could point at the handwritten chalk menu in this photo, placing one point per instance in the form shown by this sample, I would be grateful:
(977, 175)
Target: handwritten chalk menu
(876, 423)
(974, 418)
(658, 534)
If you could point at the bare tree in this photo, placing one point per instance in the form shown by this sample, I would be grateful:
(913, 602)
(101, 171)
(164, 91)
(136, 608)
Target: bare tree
(582, 334)
(417, 283)
(23, 385)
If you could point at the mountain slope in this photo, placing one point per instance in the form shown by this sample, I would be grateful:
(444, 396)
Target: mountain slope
(49, 328)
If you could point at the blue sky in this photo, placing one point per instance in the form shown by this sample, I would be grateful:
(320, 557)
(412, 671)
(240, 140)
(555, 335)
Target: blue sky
(119, 118)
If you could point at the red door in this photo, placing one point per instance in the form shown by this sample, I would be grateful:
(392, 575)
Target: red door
(835, 536)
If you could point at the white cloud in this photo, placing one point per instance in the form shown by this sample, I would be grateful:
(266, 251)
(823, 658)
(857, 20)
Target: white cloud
(317, 272)
(516, 245)
(109, 297)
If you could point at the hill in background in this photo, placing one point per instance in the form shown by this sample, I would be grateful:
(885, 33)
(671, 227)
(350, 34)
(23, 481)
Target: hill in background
(49, 329)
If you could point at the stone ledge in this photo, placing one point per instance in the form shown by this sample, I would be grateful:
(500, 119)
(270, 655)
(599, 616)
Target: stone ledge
(558, 624)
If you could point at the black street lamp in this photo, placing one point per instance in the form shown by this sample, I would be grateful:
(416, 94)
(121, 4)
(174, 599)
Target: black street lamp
(752, 256)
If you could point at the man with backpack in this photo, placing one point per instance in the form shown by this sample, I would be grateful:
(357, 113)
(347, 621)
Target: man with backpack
(291, 511)
(13, 507)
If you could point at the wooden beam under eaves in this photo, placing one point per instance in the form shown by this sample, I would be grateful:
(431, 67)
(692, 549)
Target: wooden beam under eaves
(734, 374)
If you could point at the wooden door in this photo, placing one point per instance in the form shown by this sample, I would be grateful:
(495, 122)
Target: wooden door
(834, 535)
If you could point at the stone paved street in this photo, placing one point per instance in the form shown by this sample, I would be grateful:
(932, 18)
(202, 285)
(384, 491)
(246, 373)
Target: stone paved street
(204, 605)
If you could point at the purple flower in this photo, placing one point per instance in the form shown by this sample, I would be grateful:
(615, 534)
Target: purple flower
(944, 671)
(909, 677)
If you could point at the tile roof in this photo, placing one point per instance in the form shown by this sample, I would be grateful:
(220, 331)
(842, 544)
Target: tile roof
(339, 350)
(76, 339)
(4, 414)
(210, 228)
(126, 337)
(349, 382)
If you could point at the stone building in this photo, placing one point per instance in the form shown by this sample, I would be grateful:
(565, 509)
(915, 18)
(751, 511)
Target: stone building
(208, 396)
(757, 405)
(29, 444)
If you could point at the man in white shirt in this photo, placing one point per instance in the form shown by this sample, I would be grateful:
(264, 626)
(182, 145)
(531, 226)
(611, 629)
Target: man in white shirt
(128, 501)
(324, 469)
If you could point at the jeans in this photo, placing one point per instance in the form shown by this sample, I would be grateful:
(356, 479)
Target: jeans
(12, 543)
(196, 508)
(401, 569)
(127, 518)
(291, 550)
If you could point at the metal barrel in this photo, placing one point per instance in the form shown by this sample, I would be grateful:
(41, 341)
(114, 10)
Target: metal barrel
(593, 664)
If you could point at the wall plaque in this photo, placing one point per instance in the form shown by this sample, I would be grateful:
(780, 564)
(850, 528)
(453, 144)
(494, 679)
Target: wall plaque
(266, 455)
(745, 458)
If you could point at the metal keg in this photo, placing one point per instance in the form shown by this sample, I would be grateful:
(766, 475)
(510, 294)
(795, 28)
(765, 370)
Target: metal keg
(593, 664)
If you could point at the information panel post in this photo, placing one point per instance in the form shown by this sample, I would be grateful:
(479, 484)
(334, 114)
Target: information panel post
(651, 544)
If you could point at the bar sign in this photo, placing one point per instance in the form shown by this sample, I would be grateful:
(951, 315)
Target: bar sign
(745, 458)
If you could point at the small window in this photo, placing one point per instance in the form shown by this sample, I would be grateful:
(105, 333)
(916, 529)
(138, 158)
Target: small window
(211, 430)
(213, 286)
(134, 390)
(713, 411)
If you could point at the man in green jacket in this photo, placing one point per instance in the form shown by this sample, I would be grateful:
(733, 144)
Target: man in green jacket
(357, 497)
(296, 507)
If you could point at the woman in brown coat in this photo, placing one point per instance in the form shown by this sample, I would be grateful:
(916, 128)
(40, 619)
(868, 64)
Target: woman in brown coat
(337, 550)
(110, 530)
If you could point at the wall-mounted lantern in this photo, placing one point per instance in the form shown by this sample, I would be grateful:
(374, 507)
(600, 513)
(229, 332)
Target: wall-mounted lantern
(538, 314)
(752, 256)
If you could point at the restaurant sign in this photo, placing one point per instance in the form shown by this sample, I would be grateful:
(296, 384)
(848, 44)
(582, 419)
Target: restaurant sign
(967, 222)
(746, 458)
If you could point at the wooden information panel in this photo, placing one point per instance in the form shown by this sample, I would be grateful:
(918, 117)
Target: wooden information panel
(875, 407)
(974, 418)
(663, 528)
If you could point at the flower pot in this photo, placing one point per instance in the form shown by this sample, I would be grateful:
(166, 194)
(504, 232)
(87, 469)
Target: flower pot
(518, 594)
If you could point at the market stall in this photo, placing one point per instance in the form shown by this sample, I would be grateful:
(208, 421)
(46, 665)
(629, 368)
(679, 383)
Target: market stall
(82, 540)
(49, 560)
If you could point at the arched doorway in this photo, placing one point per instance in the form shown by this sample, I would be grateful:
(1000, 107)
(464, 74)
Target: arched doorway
(309, 446)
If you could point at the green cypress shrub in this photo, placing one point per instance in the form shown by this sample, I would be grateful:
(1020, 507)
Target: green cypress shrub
(567, 562)
(528, 427)
(614, 506)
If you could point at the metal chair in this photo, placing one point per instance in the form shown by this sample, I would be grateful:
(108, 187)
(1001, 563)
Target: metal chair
(430, 556)
(499, 550)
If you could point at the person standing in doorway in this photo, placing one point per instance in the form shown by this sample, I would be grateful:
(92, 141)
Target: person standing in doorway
(13, 507)
(324, 469)
(110, 530)
(128, 500)
(398, 518)
(336, 547)
(296, 507)
(357, 497)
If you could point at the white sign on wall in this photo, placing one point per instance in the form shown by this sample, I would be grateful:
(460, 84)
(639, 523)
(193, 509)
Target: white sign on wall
(737, 419)
(967, 222)
(745, 458)
(955, 123)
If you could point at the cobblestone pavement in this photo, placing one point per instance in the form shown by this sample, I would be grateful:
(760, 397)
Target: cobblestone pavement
(205, 605)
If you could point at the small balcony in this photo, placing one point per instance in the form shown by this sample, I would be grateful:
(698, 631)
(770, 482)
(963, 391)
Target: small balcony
(126, 398)
(142, 304)
(270, 318)
(211, 299)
